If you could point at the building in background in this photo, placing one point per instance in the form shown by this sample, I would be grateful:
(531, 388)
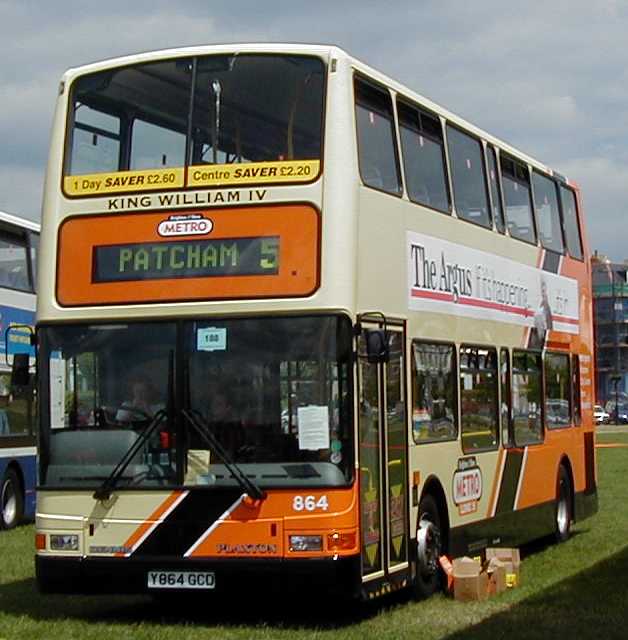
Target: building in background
(610, 315)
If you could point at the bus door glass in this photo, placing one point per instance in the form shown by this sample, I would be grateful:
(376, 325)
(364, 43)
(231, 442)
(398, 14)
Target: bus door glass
(370, 449)
(383, 459)
(396, 443)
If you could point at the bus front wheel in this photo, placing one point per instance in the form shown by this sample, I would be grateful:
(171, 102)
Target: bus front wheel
(429, 545)
(11, 500)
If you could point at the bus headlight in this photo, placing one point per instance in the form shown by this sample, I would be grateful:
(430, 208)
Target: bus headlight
(65, 542)
(306, 543)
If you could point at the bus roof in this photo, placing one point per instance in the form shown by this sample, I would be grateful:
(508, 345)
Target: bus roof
(327, 51)
(19, 221)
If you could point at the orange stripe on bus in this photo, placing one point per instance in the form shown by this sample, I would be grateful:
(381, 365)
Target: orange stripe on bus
(150, 521)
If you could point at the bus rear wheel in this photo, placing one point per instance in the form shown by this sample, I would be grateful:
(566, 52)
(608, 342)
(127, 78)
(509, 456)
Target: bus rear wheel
(429, 548)
(563, 510)
(11, 500)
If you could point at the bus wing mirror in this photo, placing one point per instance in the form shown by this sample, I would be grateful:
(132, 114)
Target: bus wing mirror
(20, 371)
(377, 348)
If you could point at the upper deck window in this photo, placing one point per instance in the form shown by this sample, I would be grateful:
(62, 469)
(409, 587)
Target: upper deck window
(14, 272)
(467, 173)
(34, 245)
(257, 109)
(516, 188)
(95, 141)
(377, 148)
(496, 194)
(547, 213)
(214, 110)
(570, 222)
(155, 146)
(423, 157)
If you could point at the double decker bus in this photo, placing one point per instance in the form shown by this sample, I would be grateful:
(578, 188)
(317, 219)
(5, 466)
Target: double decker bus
(19, 241)
(297, 322)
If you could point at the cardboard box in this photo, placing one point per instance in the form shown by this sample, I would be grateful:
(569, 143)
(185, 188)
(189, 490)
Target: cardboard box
(511, 560)
(470, 582)
(466, 566)
(496, 571)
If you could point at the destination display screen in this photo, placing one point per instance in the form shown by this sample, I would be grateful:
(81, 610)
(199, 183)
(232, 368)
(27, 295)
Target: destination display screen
(251, 256)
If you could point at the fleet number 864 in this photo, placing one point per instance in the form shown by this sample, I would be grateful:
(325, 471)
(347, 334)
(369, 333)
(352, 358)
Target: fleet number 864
(310, 503)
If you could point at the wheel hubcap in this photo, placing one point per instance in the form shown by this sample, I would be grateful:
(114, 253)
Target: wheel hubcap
(428, 547)
(562, 512)
(9, 503)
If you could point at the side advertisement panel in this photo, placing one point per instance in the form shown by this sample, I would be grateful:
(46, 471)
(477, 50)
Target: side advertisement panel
(445, 277)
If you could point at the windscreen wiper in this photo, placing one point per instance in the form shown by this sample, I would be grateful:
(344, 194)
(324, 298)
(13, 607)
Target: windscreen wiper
(199, 424)
(104, 491)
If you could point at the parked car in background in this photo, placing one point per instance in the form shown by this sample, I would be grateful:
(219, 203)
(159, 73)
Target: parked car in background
(620, 416)
(600, 415)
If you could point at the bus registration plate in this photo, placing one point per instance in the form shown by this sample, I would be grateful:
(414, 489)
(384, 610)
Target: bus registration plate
(181, 580)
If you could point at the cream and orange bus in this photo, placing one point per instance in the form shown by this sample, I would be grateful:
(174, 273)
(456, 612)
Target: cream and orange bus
(297, 322)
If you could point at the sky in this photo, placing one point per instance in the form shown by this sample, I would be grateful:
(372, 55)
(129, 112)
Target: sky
(550, 78)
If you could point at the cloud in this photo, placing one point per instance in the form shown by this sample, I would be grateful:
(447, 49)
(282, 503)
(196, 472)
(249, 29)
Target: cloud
(21, 190)
(605, 197)
(549, 78)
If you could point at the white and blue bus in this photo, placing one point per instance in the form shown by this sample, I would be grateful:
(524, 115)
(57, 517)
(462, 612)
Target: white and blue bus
(19, 241)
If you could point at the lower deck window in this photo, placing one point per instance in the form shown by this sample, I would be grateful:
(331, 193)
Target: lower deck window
(17, 412)
(478, 398)
(526, 398)
(433, 392)
(575, 387)
(557, 391)
(506, 397)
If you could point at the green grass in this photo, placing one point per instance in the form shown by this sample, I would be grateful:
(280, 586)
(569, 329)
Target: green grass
(577, 590)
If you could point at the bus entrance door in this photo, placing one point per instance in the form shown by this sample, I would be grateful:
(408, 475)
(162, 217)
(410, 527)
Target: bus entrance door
(383, 454)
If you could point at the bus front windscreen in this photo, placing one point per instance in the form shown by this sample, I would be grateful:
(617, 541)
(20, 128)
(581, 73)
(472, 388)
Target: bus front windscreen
(271, 395)
(231, 118)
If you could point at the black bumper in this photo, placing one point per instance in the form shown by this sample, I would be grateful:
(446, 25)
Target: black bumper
(129, 575)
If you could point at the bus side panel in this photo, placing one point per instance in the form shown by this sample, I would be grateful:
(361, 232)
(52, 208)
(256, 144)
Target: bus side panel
(27, 470)
(538, 482)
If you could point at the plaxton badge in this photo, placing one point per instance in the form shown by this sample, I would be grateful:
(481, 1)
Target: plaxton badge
(243, 549)
(190, 225)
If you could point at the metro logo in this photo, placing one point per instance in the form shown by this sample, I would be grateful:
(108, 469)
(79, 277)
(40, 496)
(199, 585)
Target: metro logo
(467, 485)
(185, 226)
